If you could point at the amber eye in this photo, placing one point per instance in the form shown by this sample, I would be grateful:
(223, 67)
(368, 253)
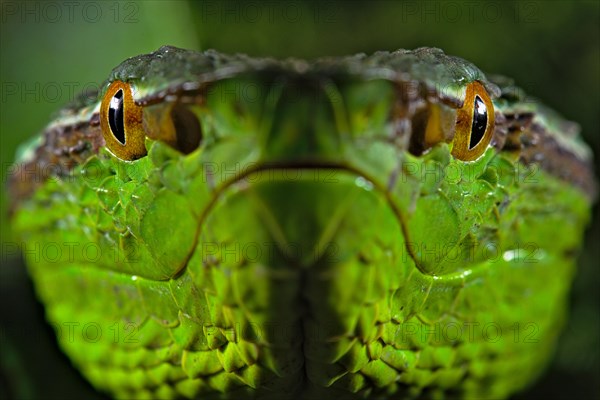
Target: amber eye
(474, 124)
(121, 122)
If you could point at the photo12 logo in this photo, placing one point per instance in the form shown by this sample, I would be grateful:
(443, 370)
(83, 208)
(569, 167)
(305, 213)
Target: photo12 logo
(47, 92)
(68, 252)
(54, 12)
(468, 332)
(428, 11)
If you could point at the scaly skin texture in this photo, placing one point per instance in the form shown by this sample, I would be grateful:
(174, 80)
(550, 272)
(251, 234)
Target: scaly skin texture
(300, 253)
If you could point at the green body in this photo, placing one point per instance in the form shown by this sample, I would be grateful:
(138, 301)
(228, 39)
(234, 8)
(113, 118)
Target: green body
(301, 253)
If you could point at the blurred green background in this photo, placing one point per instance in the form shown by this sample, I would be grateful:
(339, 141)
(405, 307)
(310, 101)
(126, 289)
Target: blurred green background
(51, 50)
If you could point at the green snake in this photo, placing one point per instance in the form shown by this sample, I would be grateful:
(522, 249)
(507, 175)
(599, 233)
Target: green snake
(396, 225)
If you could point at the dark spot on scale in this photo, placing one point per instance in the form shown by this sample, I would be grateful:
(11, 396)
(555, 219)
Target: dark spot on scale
(80, 147)
(362, 259)
(237, 108)
(95, 119)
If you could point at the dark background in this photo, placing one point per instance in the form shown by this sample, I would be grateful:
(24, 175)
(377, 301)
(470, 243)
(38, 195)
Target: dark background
(50, 51)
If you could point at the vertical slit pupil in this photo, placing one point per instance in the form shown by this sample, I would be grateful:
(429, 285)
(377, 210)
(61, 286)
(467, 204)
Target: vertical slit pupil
(479, 122)
(115, 116)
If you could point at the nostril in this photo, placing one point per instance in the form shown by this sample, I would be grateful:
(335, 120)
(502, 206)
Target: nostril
(417, 144)
(431, 124)
(187, 128)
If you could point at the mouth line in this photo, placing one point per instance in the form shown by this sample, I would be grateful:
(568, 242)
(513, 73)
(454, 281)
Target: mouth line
(304, 165)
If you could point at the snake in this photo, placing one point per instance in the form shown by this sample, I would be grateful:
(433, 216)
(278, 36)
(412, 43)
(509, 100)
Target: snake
(397, 225)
